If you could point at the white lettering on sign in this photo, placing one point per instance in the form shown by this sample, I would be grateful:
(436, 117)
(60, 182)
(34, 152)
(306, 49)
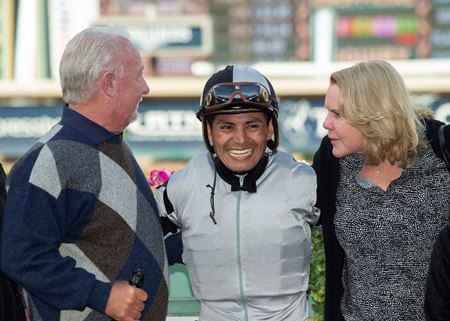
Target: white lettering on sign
(302, 122)
(319, 114)
(150, 38)
(22, 127)
(166, 125)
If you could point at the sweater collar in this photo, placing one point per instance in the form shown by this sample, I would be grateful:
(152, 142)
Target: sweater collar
(93, 131)
(250, 177)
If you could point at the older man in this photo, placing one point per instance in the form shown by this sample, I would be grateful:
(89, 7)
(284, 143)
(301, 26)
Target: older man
(80, 216)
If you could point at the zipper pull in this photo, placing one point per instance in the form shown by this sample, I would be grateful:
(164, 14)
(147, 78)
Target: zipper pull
(241, 180)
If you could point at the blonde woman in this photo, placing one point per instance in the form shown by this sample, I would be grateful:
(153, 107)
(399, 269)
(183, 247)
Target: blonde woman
(380, 191)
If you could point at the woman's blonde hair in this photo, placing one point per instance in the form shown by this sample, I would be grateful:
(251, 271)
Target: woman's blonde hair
(374, 99)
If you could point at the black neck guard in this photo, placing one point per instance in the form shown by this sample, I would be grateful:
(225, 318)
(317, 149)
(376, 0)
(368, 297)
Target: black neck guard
(250, 178)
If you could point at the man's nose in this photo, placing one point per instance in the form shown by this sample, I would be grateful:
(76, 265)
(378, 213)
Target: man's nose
(240, 136)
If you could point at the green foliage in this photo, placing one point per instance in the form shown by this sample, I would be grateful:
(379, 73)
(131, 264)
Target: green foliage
(317, 275)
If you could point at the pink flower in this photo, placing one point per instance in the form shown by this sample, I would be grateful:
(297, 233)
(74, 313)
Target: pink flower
(158, 177)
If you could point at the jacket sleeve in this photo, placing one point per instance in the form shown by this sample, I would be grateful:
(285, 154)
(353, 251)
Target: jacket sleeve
(432, 128)
(444, 143)
(326, 167)
(437, 295)
(327, 170)
(2, 189)
(33, 231)
(166, 212)
(172, 232)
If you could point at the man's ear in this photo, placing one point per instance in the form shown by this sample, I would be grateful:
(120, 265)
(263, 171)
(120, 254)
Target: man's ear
(108, 83)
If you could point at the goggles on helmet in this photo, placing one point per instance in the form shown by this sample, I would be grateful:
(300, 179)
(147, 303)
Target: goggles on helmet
(223, 94)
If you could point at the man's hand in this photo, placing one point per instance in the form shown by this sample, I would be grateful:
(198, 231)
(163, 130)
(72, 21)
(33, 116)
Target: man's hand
(125, 302)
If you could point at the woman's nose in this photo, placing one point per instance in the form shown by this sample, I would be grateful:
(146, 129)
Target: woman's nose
(327, 122)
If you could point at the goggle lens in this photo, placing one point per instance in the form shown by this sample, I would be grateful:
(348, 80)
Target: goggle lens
(226, 93)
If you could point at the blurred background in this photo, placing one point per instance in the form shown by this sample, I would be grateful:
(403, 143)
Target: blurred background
(295, 43)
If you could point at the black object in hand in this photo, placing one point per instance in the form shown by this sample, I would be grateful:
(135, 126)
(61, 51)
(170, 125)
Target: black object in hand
(137, 278)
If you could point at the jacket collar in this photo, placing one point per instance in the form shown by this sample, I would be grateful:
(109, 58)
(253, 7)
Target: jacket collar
(250, 177)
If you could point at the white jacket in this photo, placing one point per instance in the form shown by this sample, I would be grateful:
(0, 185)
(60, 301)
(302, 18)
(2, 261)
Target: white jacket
(254, 263)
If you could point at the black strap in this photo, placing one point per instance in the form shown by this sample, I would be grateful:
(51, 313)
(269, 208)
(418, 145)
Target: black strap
(445, 151)
(167, 225)
(167, 203)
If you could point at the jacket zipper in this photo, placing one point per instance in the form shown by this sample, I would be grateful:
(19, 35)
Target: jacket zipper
(238, 234)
